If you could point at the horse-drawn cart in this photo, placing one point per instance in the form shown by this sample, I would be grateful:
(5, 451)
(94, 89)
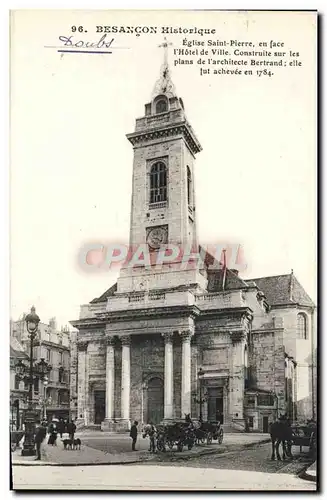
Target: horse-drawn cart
(305, 435)
(177, 434)
(206, 432)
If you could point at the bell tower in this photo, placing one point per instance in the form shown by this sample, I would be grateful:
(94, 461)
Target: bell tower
(163, 196)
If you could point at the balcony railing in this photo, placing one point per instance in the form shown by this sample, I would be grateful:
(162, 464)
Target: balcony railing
(220, 300)
(159, 299)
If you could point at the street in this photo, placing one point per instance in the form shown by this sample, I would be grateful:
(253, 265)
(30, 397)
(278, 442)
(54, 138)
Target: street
(255, 472)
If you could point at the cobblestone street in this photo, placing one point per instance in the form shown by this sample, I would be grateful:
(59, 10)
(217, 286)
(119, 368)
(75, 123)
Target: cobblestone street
(254, 469)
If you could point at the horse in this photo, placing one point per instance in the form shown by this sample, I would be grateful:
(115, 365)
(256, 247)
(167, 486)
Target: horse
(281, 432)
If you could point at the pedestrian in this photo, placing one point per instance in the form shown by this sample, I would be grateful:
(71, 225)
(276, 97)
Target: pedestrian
(53, 434)
(152, 435)
(71, 429)
(133, 434)
(40, 433)
(61, 427)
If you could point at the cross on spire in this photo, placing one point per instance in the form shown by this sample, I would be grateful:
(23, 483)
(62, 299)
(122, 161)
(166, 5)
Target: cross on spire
(165, 45)
(164, 83)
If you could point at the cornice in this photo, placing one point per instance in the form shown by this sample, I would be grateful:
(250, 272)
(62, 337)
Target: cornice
(181, 128)
(155, 312)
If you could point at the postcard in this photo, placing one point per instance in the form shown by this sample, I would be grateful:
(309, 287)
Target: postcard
(163, 331)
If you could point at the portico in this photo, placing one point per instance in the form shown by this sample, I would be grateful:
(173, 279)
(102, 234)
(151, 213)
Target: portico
(133, 366)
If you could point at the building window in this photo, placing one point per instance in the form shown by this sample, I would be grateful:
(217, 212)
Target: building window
(158, 183)
(161, 106)
(251, 402)
(265, 400)
(301, 326)
(36, 386)
(60, 357)
(61, 374)
(251, 422)
(48, 355)
(17, 382)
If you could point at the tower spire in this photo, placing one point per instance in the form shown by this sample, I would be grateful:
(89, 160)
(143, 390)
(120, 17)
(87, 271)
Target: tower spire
(164, 84)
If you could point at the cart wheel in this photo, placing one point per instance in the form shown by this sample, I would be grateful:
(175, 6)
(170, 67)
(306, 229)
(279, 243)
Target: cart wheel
(221, 437)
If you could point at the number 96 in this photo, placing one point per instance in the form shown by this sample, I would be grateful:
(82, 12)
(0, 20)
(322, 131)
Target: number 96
(80, 29)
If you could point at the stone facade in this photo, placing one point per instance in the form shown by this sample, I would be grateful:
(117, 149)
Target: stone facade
(150, 345)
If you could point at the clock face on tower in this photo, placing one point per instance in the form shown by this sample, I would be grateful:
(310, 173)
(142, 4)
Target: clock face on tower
(157, 236)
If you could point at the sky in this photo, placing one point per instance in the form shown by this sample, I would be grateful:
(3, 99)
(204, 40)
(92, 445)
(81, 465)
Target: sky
(71, 164)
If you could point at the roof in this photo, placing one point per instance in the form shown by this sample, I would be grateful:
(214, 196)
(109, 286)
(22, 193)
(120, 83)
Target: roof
(16, 349)
(283, 289)
(108, 293)
(232, 281)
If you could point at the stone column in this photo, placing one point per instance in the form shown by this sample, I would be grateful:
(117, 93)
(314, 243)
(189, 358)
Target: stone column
(87, 387)
(169, 376)
(107, 424)
(237, 381)
(125, 378)
(186, 372)
(81, 381)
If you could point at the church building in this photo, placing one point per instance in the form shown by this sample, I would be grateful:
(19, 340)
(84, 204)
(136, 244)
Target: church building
(170, 340)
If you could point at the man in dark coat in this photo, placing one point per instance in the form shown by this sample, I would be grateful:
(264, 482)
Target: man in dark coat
(71, 429)
(133, 434)
(40, 433)
(61, 427)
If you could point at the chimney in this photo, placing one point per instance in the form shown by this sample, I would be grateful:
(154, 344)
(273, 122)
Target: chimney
(53, 324)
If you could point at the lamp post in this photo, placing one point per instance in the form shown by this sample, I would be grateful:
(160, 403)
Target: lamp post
(203, 397)
(32, 322)
(39, 370)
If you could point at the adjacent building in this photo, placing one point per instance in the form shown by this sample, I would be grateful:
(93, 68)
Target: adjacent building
(52, 395)
(18, 390)
(146, 346)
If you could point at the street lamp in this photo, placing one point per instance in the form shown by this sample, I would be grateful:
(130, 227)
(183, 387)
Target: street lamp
(32, 323)
(203, 397)
(34, 371)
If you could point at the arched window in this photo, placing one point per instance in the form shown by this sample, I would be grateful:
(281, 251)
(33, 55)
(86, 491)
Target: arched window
(301, 326)
(189, 186)
(161, 106)
(158, 182)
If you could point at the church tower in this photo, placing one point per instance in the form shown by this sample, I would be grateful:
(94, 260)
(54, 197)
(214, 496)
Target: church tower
(163, 194)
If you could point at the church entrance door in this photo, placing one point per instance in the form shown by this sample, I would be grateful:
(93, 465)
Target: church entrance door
(155, 400)
(216, 404)
(99, 406)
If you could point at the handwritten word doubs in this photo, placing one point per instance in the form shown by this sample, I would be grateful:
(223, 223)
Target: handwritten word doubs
(103, 43)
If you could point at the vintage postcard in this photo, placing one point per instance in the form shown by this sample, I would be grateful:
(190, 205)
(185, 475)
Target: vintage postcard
(163, 331)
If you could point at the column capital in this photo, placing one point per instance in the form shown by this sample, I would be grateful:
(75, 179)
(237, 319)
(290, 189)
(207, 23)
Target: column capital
(110, 341)
(82, 345)
(186, 335)
(126, 340)
(168, 337)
